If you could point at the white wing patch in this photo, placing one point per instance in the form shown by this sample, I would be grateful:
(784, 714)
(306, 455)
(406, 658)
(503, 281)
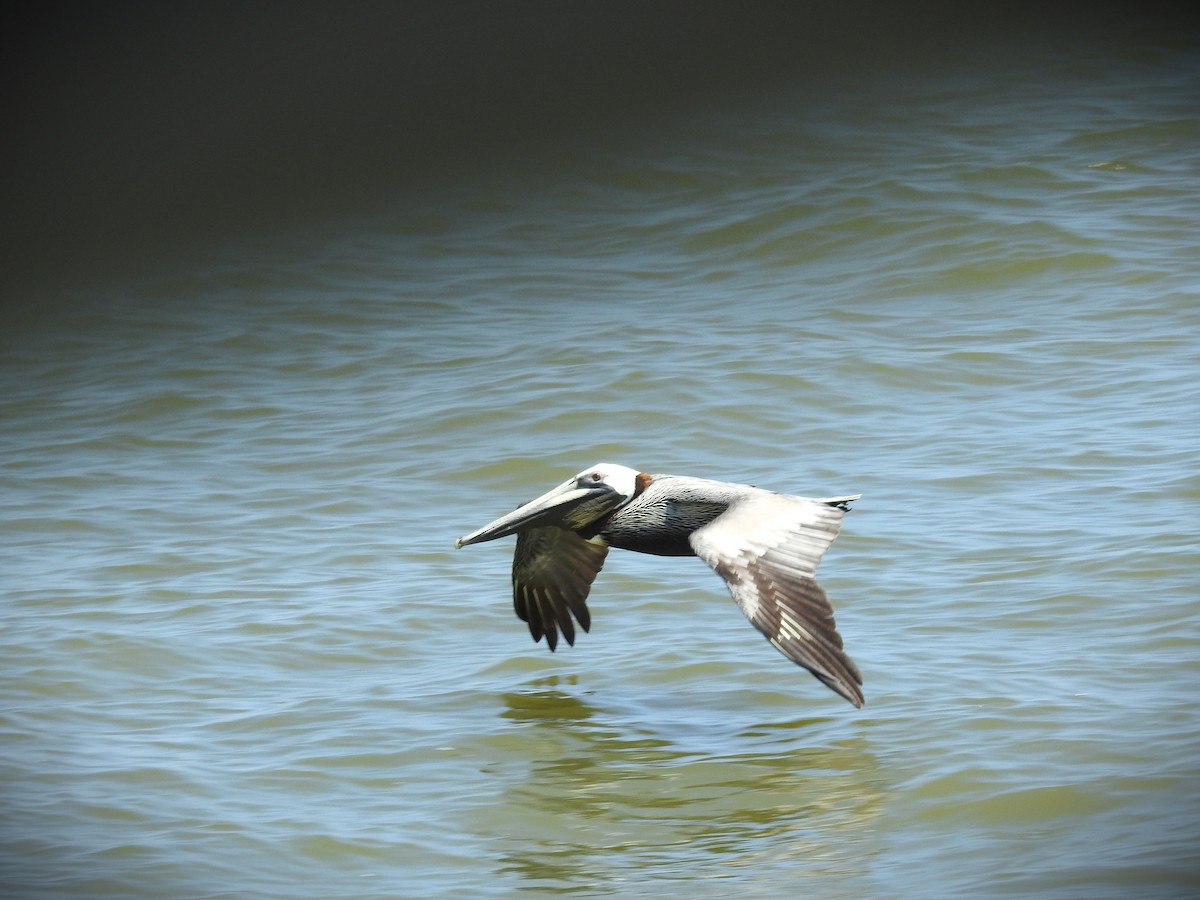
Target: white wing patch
(767, 548)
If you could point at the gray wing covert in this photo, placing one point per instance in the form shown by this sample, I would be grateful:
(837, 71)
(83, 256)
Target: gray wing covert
(767, 548)
(553, 571)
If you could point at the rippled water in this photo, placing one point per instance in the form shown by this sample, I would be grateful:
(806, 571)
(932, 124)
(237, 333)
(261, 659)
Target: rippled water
(241, 656)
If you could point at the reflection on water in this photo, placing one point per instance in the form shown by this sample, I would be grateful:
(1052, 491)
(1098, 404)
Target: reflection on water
(601, 804)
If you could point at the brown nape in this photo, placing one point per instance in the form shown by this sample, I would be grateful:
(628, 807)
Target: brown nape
(640, 483)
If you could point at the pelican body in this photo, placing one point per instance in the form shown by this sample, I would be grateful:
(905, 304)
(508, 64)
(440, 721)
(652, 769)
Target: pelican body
(765, 545)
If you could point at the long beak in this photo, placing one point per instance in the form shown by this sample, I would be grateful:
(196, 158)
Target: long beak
(552, 508)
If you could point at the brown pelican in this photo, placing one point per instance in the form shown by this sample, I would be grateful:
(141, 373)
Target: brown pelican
(765, 545)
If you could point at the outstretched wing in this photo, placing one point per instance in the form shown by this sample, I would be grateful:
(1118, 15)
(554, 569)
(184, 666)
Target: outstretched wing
(553, 570)
(767, 547)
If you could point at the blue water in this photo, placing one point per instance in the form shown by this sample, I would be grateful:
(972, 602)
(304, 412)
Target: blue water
(242, 658)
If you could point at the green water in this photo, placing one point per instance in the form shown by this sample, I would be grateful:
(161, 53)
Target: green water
(242, 658)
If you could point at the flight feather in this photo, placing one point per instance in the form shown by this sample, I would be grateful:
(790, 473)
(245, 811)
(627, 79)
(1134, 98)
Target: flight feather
(767, 546)
(553, 571)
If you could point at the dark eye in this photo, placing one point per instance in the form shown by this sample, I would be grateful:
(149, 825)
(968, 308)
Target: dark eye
(596, 477)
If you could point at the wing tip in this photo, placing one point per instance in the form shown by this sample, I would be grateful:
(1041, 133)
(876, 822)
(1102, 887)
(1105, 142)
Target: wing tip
(842, 503)
(855, 696)
(846, 683)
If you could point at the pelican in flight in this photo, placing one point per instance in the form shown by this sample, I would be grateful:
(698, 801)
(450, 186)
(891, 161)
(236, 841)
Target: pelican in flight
(765, 545)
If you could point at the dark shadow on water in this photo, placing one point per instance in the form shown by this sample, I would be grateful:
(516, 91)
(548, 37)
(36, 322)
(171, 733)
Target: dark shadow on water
(605, 805)
(138, 131)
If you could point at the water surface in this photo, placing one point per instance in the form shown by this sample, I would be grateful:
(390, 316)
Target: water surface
(241, 656)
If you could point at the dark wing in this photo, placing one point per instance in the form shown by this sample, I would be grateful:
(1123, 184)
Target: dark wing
(767, 547)
(553, 570)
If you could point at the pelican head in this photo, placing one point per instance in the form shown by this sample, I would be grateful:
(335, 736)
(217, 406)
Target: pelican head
(572, 505)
